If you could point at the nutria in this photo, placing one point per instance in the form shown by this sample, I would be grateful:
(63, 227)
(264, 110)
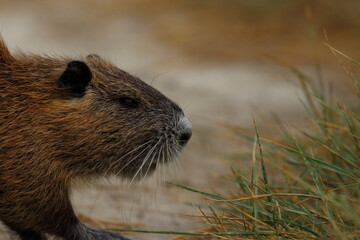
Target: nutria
(65, 119)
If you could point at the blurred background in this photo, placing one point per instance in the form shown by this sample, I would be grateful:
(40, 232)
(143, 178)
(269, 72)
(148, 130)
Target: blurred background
(220, 60)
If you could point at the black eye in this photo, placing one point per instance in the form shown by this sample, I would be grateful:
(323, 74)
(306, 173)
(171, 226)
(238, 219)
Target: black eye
(129, 102)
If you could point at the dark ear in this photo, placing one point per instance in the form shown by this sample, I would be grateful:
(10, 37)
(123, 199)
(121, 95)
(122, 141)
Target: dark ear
(75, 78)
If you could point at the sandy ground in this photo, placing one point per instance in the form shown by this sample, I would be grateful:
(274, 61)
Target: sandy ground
(209, 91)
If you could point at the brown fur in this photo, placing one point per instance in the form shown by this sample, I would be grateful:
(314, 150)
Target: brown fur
(48, 138)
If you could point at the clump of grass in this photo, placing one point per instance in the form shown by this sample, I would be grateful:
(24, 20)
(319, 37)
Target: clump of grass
(303, 185)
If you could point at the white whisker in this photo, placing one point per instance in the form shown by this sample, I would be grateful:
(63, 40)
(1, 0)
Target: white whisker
(163, 163)
(144, 161)
(127, 154)
(158, 166)
(131, 160)
(152, 159)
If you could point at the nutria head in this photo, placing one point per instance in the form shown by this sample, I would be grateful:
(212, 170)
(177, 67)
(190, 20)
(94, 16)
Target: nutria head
(113, 123)
(86, 117)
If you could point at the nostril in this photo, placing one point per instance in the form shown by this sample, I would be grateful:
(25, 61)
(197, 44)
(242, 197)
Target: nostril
(184, 130)
(184, 137)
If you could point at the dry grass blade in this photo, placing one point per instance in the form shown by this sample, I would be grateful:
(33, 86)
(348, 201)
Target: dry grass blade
(309, 186)
(269, 195)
